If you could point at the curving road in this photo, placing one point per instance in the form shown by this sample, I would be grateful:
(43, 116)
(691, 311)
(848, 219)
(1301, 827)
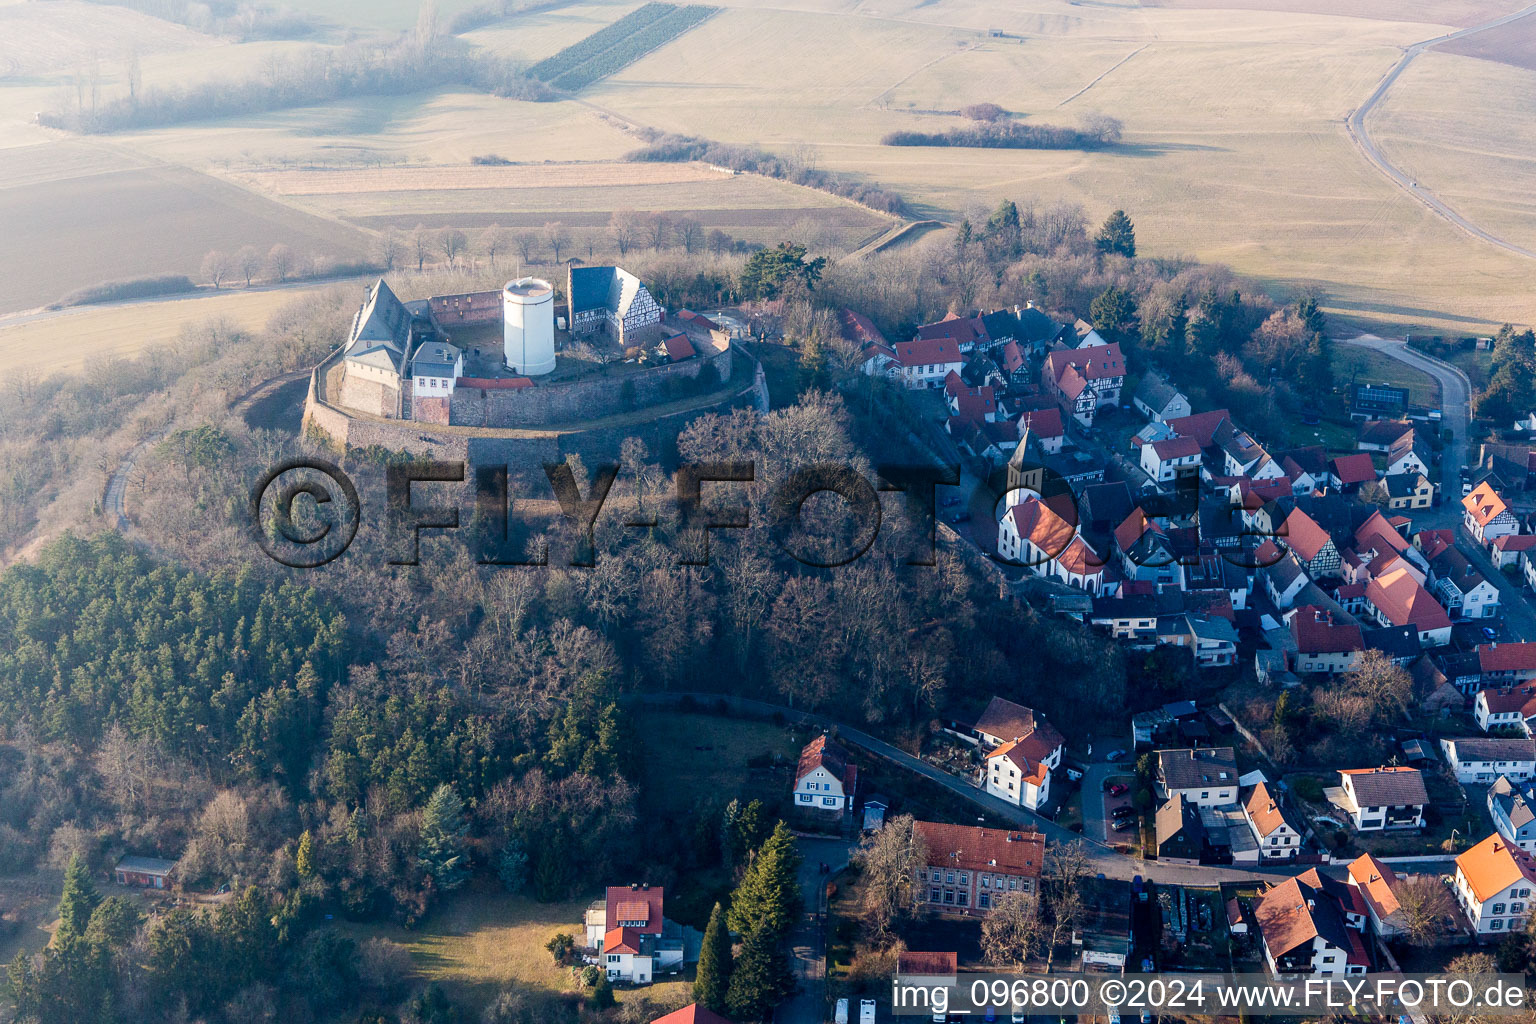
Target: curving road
(1355, 125)
(1455, 404)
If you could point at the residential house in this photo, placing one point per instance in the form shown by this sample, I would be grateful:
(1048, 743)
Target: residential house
(1158, 400)
(825, 778)
(144, 872)
(1025, 749)
(1127, 617)
(1350, 471)
(625, 906)
(1508, 549)
(1147, 552)
(1035, 536)
(1381, 435)
(1213, 640)
(1278, 835)
(693, 1013)
(966, 866)
(1170, 459)
(1311, 925)
(612, 301)
(969, 404)
(1408, 491)
(1311, 544)
(1384, 798)
(1461, 587)
(1504, 708)
(1483, 759)
(1409, 454)
(1207, 776)
(638, 942)
(1181, 837)
(1486, 515)
(1003, 720)
(1399, 643)
(1512, 806)
(1045, 426)
(1010, 774)
(1506, 664)
(926, 363)
(967, 332)
(1243, 456)
(1204, 427)
(1323, 645)
(1493, 884)
(1086, 378)
(1397, 599)
(1284, 577)
(1377, 885)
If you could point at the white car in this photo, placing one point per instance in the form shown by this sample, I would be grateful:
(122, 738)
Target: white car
(841, 1017)
(866, 1011)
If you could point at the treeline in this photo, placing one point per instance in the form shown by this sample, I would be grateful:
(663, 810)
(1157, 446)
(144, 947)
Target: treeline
(320, 75)
(633, 45)
(1096, 133)
(127, 288)
(670, 148)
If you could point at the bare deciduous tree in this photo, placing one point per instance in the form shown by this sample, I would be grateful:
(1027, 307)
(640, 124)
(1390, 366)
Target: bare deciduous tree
(451, 243)
(1427, 908)
(279, 262)
(527, 244)
(492, 241)
(216, 268)
(421, 245)
(689, 232)
(624, 228)
(890, 860)
(387, 249)
(248, 261)
(1012, 929)
(658, 230)
(556, 237)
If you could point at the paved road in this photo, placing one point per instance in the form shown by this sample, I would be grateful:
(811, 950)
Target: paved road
(1454, 406)
(1519, 617)
(1360, 134)
(115, 500)
(808, 947)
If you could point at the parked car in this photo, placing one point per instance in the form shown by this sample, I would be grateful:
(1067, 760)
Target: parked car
(1489, 632)
(1116, 788)
(866, 1011)
(1115, 755)
(1466, 488)
(1123, 824)
(960, 517)
(952, 501)
(1124, 811)
(841, 1017)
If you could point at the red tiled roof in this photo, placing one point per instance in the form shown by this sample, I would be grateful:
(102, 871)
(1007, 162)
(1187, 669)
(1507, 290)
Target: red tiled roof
(1515, 542)
(1176, 448)
(1483, 504)
(1013, 357)
(1049, 532)
(621, 940)
(974, 848)
(1092, 363)
(679, 347)
(693, 1013)
(963, 330)
(1131, 529)
(1508, 657)
(1376, 532)
(1201, 426)
(858, 327)
(633, 900)
(1404, 602)
(1317, 633)
(927, 352)
(1354, 469)
(1493, 865)
(1502, 702)
(1045, 422)
(1304, 536)
(1377, 882)
(821, 753)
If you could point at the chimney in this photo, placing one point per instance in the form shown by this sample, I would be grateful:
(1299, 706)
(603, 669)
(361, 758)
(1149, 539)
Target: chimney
(633, 886)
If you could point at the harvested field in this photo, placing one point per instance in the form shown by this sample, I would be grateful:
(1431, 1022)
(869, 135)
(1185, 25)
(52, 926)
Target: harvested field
(1459, 13)
(526, 176)
(1514, 43)
(84, 230)
(43, 38)
(63, 342)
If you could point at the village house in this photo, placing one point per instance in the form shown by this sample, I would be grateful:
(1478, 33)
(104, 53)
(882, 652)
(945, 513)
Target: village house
(1504, 708)
(1483, 759)
(1170, 459)
(1506, 664)
(1311, 925)
(969, 404)
(1003, 720)
(1350, 471)
(1311, 544)
(1206, 777)
(1486, 516)
(1461, 587)
(1147, 552)
(634, 939)
(1158, 400)
(1377, 886)
(968, 866)
(1381, 435)
(1243, 456)
(693, 1013)
(926, 363)
(1044, 425)
(1508, 549)
(1408, 491)
(1025, 748)
(1181, 837)
(1384, 798)
(144, 872)
(1493, 885)
(1086, 378)
(825, 777)
(1512, 806)
(1323, 645)
(1397, 599)
(1408, 454)
(1278, 835)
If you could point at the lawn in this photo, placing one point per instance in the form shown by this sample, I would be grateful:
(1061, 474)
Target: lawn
(483, 940)
(1367, 366)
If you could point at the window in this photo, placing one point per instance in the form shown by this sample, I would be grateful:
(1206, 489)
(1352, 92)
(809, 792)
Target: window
(1329, 959)
(1497, 908)
(1496, 925)
(1013, 883)
(933, 895)
(1517, 908)
(937, 876)
(613, 958)
(949, 896)
(805, 798)
(949, 878)
(982, 900)
(964, 898)
(965, 878)
(829, 801)
(986, 881)
(1205, 796)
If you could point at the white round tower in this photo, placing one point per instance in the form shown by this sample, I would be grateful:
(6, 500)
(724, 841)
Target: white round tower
(528, 325)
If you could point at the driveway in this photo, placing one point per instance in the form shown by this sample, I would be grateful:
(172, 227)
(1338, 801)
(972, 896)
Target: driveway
(808, 945)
